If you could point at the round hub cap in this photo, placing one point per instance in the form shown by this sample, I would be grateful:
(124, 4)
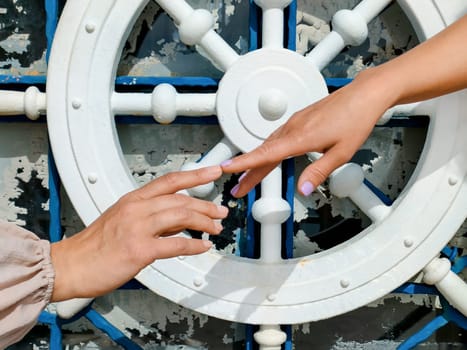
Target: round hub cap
(262, 90)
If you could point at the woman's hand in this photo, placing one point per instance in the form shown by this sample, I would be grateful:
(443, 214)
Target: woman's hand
(338, 124)
(133, 233)
(335, 126)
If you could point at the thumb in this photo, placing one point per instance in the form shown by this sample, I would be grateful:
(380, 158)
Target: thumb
(317, 172)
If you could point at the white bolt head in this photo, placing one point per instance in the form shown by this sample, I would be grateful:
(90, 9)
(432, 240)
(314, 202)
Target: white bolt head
(197, 282)
(76, 103)
(351, 26)
(272, 104)
(452, 181)
(271, 297)
(193, 28)
(90, 27)
(164, 103)
(345, 283)
(346, 180)
(92, 178)
(408, 242)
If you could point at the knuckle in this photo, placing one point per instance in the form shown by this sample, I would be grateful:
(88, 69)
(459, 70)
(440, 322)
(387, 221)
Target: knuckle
(171, 179)
(182, 215)
(181, 245)
(127, 208)
(318, 174)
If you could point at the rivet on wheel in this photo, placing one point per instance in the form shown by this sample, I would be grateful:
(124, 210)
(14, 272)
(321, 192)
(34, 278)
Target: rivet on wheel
(408, 242)
(452, 181)
(76, 104)
(271, 297)
(197, 282)
(92, 178)
(90, 27)
(345, 283)
(181, 258)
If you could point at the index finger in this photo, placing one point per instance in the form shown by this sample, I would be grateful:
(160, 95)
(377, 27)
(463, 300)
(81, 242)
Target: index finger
(180, 180)
(269, 153)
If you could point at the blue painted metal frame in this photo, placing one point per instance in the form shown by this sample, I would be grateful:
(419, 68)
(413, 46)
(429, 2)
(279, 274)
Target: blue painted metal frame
(55, 232)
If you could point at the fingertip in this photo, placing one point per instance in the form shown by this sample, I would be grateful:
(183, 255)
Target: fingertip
(307, 188)
(223, 211)
(207, 244)
(226, 163)
(234, 190)
(218, 226)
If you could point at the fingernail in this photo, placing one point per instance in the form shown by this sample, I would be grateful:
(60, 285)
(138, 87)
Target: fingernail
(234, 190)
(207, 244)
(307, 188)
(241, 177)
(223, 210)
(218, 226)
(226, 163)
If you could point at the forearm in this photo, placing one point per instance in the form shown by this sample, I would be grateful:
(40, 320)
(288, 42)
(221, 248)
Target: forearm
(433, 68)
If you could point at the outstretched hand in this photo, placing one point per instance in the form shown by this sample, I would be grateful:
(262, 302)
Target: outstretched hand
(335, 126)
(133, 233)
(338, 124)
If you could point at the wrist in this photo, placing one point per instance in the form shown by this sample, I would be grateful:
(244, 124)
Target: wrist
(379, 86)
(65, 257)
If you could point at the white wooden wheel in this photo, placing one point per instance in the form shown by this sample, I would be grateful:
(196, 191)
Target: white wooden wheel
(258, 92)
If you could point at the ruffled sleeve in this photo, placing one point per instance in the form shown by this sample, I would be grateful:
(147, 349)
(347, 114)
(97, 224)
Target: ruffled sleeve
(26, 281)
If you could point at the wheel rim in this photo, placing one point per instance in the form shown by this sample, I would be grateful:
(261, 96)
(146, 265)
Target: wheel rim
(389, 252)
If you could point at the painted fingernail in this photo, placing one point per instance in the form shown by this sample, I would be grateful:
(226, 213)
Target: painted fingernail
(234, 190)
(242, 177)
(307, 188)
(226, 163)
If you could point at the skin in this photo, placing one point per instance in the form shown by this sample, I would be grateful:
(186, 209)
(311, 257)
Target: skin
(134, 232)
(339, 124)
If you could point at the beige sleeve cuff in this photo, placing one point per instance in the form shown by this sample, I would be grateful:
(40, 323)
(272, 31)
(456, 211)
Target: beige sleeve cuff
(26, 281)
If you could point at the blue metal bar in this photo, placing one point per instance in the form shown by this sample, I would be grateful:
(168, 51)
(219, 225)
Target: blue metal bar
(51, 10)
(253, 32)
(424, 333)
(54, 324)
(380, 194)
(22, 79)
(101, 323)
(175, 81)
(452, 315)
(416, 288)
(55, 225)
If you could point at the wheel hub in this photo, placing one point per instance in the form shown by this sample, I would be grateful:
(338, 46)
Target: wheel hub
(262, 90)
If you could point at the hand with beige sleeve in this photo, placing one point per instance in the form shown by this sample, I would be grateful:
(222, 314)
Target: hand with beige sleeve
(339, 124)
(133, 233)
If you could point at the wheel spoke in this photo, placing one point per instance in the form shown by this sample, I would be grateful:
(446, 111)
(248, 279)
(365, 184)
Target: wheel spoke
(349, 181)
(165, 104)
(196, 28)
(222, 151)
(273, 22)
(32, 103)
(271, 210)
(349, 28)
